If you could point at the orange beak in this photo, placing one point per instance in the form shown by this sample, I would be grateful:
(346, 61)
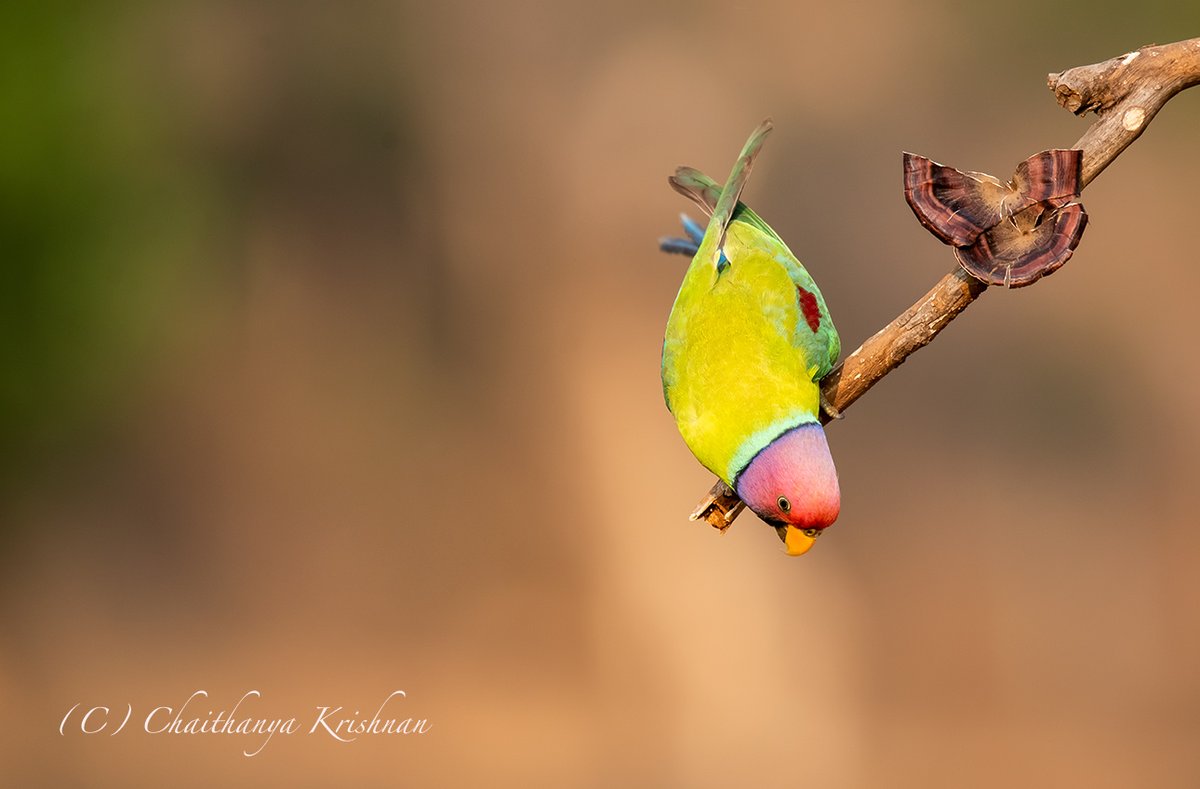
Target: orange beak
(797, 542)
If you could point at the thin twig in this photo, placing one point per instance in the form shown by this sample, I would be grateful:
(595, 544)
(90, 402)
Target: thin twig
(1126, 93)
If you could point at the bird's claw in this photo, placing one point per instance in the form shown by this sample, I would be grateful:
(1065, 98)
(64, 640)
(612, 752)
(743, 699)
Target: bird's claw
(829, 408)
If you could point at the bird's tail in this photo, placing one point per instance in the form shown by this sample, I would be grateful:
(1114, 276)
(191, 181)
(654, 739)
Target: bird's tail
(699, 188)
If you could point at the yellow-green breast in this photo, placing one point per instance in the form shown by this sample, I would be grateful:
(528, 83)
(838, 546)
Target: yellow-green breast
(733, 374)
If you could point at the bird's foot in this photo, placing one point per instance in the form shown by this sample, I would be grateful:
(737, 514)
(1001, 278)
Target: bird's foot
(829, 409)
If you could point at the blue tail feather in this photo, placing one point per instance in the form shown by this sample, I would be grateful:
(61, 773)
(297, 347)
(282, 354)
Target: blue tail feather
(684, 246)
(679, 246)
(692, 228)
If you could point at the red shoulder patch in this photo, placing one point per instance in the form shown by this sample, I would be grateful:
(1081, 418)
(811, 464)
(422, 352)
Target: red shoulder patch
(808, 306)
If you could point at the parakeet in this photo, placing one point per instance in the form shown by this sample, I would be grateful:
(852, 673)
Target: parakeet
(747, 341)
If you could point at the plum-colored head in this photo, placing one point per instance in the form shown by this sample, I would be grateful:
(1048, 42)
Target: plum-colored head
(792, 485)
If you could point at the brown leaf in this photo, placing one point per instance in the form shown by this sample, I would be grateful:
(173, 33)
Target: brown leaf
(957, 206)
(1005, 234)
(1026, 247)
(1050, 176)
(953, 205)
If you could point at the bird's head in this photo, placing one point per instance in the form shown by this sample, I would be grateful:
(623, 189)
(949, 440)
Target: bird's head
(792, 485)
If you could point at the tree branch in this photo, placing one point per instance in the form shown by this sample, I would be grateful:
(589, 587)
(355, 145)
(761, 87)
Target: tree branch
(1125, 93)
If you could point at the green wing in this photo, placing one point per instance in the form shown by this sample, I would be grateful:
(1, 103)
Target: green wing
(821, 344)
(704, 191)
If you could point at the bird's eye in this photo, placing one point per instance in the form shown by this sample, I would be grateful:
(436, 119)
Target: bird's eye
(784, 504)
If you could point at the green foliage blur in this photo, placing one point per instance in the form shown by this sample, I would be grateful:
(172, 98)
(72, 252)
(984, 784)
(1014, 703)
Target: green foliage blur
(93, 226)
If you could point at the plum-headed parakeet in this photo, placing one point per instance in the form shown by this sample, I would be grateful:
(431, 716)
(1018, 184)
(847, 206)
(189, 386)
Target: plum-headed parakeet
(746, 344)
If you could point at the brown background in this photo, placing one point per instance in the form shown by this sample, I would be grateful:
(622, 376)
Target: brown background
(331, 367)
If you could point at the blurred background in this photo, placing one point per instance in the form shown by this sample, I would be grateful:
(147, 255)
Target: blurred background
(329, 339)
